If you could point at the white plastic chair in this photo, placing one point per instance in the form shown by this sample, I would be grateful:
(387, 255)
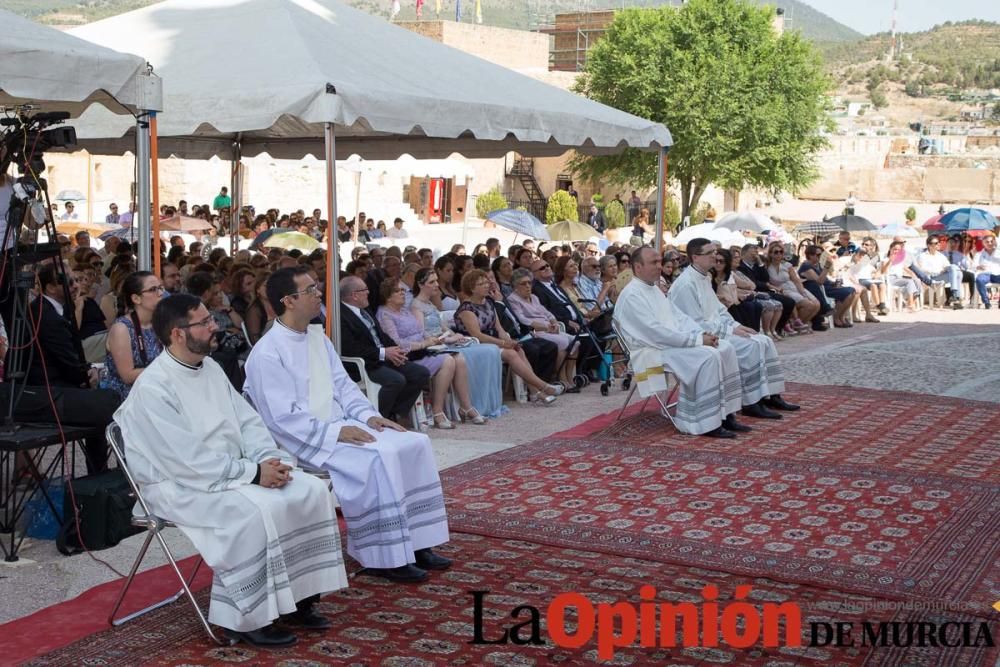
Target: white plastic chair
(418, 413)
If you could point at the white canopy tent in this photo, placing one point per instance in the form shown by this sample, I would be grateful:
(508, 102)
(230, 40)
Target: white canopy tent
(296, 77)
(45, 70)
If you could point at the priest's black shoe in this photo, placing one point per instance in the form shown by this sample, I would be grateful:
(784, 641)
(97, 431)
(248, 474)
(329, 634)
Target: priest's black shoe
(759, 411)
(776, 402)
(730, 424)
(720, 433)
(266, 637)
(305, 617)
(428, 560)
(406, 574)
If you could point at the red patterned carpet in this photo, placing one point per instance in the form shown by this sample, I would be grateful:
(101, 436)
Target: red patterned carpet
(377, 623)
(862, 498)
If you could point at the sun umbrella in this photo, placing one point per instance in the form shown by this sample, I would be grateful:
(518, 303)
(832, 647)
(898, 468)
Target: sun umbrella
(183, 223)
(749, 221)
(520, 222)
(853, 223)
(260, 239)
(123, 233)
(819, 227)
(70, 195)
(567, 230)
(934, 224)
(968, 219)
(291, 241)
(71, 227)
(710, 231)
(898, 229)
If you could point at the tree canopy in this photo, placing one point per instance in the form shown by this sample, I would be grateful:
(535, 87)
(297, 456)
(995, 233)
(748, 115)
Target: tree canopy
(744, 105)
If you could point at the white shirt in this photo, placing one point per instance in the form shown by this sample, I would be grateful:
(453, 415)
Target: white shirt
(933, 263)
(991, 263)
(70, 216)
(394, 233)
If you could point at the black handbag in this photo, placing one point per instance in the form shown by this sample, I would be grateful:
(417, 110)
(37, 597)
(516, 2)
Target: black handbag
(104, 504)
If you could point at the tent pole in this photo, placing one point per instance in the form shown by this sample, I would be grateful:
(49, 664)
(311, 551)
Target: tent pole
(90, 187)
(154, 162)
(332, 251)
(141, 216)
(236, 204)
(661, 200)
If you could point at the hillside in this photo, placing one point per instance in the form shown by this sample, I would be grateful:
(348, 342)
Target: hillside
(523, 14)
(943, 60)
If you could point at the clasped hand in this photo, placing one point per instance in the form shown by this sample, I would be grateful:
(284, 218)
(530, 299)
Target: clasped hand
(274, 474)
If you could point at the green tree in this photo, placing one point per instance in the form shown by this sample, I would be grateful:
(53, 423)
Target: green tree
(491, 200)
(911, 214)
(561, 207)
(995, 114)
(744, 105)
(614, 213)
(878, 98)
(672, 216)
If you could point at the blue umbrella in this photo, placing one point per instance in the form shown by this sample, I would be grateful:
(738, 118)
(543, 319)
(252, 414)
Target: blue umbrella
(520, 222)
(967, 220)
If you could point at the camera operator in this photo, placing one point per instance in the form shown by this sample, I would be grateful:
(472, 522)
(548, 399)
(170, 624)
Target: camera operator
(58, 366)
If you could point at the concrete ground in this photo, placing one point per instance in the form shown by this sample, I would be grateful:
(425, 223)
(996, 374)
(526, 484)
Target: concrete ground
(943, 352)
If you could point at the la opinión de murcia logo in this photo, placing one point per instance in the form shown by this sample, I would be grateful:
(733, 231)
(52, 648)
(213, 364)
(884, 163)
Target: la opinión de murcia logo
(733, 623)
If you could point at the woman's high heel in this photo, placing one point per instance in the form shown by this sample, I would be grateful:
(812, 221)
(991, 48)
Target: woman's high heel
(542, 398)
(443, 422)
(471, 415)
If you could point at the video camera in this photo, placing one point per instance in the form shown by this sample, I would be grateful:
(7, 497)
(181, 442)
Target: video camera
(26, 139)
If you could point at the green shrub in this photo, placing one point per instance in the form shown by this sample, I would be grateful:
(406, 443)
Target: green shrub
(491, 200)
(561, 207)
(614, 213)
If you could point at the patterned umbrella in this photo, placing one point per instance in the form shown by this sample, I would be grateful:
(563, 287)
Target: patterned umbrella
(819, 227)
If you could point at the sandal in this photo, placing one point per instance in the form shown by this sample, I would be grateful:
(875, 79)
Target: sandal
(471, 415)
(543, 399)
(443, 423)
(557, 389)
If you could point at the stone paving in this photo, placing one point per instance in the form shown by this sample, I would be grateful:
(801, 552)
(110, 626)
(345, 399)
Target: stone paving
(948, 353)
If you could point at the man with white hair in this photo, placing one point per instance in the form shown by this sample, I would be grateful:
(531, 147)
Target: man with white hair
(760, 370)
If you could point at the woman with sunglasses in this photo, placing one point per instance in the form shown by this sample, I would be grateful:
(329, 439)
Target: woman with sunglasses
(897, 273)
(785, 280)
(132, 344)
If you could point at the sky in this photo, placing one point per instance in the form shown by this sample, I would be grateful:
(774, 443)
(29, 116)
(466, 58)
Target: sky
(871, 16)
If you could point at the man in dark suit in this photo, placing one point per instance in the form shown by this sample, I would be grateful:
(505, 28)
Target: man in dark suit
(596, 219)
(386, 363)
(555, 300)
(757, 272)
(58, 365)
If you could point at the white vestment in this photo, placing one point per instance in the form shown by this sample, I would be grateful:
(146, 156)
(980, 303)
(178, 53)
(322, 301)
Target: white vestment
(760, 369)
(661, 337)
(193, 444)
(389, 490)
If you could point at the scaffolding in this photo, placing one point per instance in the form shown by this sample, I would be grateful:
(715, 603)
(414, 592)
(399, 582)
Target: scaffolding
(573, 34)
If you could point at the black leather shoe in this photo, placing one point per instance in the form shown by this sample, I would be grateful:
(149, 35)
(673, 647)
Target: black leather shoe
(428, 560)
(759, 411)
(720, 433)
(730, 424)
(308, 619)
(266, 637)
(776, 402)
(406, 574)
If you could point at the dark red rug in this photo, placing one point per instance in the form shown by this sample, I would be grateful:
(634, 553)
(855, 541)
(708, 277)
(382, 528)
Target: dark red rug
(376, 623)
(892, 495)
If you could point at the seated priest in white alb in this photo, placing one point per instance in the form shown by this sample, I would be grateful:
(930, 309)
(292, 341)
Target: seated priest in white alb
(204, 460)
(760, 369)
(384, 476)
(660, 337)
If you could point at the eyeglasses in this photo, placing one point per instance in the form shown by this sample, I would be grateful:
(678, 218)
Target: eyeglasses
(592, 253)
(934, 243)
(311, 290)
(542, 267)
(158, 289)
(704, 254)
(207, 322)
(357, 291)
(399, 290)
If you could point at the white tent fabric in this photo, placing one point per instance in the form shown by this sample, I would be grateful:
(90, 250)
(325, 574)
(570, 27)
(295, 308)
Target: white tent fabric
(55, 71)
(271, 72)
